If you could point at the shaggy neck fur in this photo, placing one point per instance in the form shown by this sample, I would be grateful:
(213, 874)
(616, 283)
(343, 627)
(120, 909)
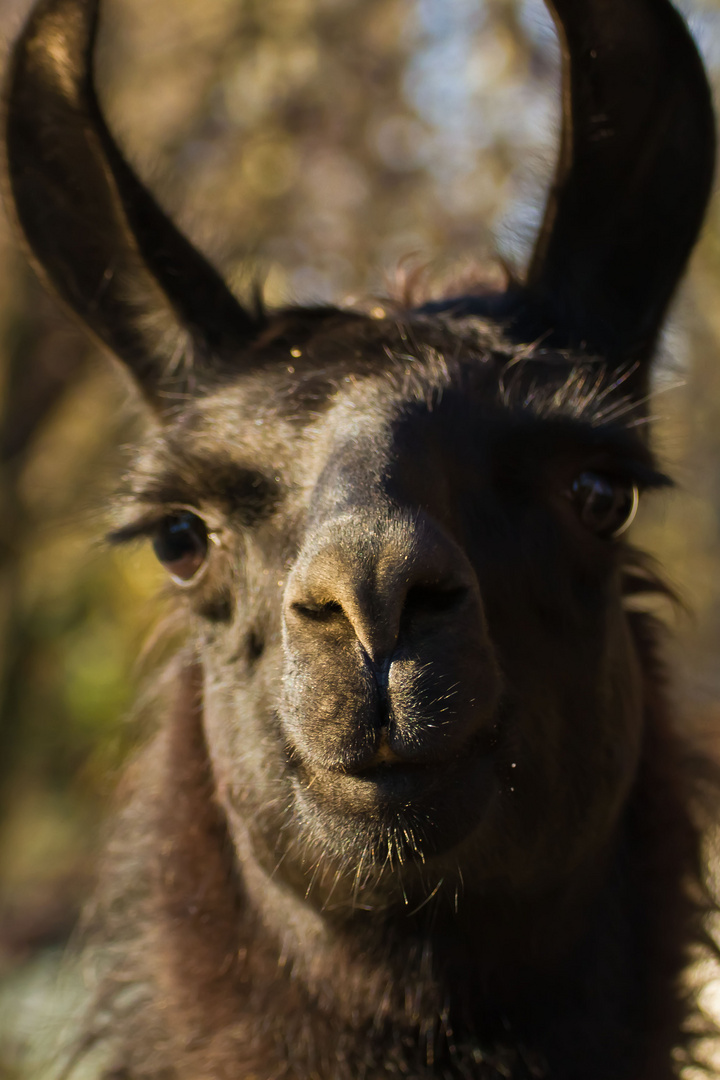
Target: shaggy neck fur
(208, 985)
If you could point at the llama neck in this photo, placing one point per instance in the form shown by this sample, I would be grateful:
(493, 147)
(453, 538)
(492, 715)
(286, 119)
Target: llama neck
(577, 984)
(581, 986)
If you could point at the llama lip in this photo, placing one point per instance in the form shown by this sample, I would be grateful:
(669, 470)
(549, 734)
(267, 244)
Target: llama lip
(390, 782)
(350, 811)
(395, 785)
(382, 769)
(385, 777)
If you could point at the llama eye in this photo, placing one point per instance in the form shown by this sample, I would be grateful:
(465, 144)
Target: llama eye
(181, 545)
(605, 505)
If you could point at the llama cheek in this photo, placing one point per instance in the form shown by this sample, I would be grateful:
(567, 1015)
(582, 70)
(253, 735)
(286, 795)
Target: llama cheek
(235, 738)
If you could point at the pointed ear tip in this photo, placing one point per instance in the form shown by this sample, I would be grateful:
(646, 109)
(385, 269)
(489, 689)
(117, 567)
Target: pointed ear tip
(55, 44)
(601, 263)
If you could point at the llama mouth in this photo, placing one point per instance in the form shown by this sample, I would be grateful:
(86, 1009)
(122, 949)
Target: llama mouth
(386, 780)
(383, 780)
(391, 787)
(437, 807)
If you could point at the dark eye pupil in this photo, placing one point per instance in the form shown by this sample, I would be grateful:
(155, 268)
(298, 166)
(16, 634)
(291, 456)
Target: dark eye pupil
(604, 505)
(181, 545)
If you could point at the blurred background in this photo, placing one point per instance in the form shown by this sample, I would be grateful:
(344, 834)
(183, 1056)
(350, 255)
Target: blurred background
(326, 143)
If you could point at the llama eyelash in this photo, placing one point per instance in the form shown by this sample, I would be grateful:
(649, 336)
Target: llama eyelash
(145, 526)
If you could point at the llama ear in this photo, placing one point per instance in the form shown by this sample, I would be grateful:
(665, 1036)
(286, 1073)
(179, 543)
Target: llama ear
(635, 173)
(93, 228)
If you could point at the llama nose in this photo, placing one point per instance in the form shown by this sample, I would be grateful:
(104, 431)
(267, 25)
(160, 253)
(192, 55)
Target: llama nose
(388, 659)
(396, 583)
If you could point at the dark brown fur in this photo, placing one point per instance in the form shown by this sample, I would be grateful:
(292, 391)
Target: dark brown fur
(418, 806)
(214, 993)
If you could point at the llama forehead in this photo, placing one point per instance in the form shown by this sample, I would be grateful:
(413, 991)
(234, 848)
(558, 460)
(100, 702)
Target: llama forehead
(293, 423)
(411, 416)
(417, 359)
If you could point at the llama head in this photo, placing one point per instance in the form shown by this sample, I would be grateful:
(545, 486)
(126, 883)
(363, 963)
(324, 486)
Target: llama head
(399, 537)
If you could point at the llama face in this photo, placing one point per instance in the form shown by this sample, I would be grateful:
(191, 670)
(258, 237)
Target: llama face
(400, 547)
(409, 613)
(397, 535)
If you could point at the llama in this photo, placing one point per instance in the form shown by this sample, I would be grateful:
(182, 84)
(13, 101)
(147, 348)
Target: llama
(417, 807)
